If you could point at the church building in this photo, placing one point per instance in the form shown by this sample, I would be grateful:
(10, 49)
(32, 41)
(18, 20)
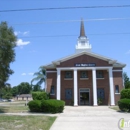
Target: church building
(85, 78)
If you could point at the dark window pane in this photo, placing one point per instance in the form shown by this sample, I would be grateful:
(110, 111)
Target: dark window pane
(83, 74)
(68, 94)
(100, 93)
(99, 74)
(68, 74)
(52, 90)
(117, 89)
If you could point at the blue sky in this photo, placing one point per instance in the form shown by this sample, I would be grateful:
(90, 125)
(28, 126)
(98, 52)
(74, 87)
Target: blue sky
(41, 34)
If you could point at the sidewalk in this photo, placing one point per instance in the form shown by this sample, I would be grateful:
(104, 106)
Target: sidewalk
(88, 118)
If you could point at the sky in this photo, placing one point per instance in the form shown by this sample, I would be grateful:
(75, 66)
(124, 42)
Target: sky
(47, 35)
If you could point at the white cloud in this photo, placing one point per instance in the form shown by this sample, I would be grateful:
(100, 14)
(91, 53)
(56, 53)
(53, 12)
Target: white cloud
(16, 33)
(128, 52)
(20, 42)
(26, 33)
(23, 74)
(30, 73)
(21, 33)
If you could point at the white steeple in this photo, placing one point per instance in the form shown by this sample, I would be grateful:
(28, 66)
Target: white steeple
(83, 42)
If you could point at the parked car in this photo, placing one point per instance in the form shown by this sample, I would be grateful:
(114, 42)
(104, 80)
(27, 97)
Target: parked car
(4, 100)
(10, 100)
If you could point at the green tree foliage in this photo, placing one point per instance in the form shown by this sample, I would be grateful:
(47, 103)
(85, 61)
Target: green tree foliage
(7, 53)
(126, 81)
(14, 91)
(39, 76)
(7, 95)
(40, 95)
(36, 87)
(24, 88)
(6, 92)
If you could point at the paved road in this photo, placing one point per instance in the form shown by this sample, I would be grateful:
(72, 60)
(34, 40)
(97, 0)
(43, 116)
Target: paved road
(88, 118)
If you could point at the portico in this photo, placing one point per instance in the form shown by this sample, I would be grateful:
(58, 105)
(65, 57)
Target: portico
(94, 80)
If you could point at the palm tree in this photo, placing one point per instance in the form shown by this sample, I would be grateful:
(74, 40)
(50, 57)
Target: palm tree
(40, 76)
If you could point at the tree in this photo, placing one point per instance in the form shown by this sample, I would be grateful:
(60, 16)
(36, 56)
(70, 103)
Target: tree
(126, 80)
(40, 76)
(6, 92)
(7, 53)
(7, 95)
(14, 91)
(24, 88)
(36, 87)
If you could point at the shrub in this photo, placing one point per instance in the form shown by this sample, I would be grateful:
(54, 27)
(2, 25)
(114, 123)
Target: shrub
(124, 104)
(40, 95)
(35, 105)
(125, 93)
(52, 106)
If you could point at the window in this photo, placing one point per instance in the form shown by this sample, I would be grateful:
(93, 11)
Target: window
(83, 43)
(116, 89)
(68, 74)
(83, 74)
(68, 94)
(52, 92)
(99, 74)
(100, 93)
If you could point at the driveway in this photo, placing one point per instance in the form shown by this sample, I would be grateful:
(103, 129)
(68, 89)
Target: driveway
(88, 118)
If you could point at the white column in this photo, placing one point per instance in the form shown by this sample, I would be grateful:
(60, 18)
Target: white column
(58, 84)
(75, 89)
(94, 87)
(112, 98)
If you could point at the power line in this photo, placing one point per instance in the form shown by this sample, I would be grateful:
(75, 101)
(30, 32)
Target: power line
(61, 8)
(124, 33)
(66, 21)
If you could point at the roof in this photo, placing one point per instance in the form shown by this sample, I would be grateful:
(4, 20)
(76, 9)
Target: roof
(82, 30)
(25, 95)
(110, 60)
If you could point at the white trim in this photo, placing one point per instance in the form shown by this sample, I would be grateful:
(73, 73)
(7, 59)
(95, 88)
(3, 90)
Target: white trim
(100, 78)
(75, 88)
(51, 71)
(117, 93)
(58, 84)
(52, 94)
(68, 78)
(94, 87)
(85, 68)
(112, 97)
(117, 70)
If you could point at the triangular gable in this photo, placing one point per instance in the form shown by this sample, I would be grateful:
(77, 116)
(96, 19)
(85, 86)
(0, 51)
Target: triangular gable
(94, 55)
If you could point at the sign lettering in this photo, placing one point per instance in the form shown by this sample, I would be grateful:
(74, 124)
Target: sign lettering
(85, 65)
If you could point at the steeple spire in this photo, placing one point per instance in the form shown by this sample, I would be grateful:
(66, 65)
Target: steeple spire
(83, 42)
(82, 30)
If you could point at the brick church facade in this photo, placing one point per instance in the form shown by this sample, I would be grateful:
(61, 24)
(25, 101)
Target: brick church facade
(84, 78)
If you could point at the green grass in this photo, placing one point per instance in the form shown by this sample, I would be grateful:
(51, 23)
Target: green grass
(13, 107)
(26, 122)
(115, 108)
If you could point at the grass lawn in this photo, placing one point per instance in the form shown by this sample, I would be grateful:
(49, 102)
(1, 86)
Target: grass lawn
(13, 107)
(25, 122)
(115, 108)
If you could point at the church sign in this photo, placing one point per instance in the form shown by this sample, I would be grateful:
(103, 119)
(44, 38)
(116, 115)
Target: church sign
(85, 65)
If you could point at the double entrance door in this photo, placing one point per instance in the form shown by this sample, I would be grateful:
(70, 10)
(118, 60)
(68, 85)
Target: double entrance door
(84, 96)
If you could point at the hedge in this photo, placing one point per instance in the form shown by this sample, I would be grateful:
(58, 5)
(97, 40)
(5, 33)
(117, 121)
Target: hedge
(40, 95)
(125, 93)
(35, 106)
(52, 106)
(124, 104)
